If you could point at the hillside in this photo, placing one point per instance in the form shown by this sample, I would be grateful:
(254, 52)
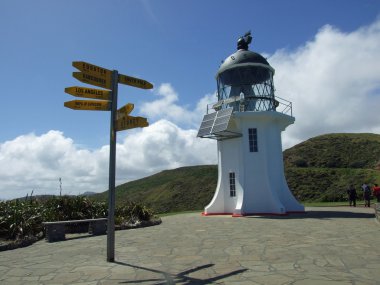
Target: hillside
(327, 184)
(181, 189)
(336, 151)
(319, 169)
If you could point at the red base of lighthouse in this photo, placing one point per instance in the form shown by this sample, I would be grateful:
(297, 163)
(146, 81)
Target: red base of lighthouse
(252, 214)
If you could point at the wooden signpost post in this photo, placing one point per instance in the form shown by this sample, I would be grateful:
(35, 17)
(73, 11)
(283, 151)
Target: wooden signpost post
(120, 120)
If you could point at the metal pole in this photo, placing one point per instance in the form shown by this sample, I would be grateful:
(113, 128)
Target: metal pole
(112, 173)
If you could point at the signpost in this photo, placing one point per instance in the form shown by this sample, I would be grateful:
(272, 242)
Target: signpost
(129, 122)
(93, 80)
(112, 175)
(94, 70)
(136, 82)
(125, 110)
(99, 75)
(89, 93)
(90, 105)
(120, 120)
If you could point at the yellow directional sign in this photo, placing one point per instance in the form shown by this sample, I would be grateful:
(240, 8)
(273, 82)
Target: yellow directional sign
(129, 122)
(120, 120)
(93, 80)
(125, 110)
(90, 105)
(89, 93)
(94, 70)
(136, 82)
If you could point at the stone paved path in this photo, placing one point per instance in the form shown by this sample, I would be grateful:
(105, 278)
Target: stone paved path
(326, 246)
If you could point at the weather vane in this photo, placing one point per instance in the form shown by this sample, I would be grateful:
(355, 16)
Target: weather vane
(244, 41)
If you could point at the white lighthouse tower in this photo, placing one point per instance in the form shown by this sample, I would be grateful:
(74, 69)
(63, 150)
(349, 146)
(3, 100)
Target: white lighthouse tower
(247, 122)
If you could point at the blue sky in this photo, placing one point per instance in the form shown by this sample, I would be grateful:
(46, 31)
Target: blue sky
(176, 45)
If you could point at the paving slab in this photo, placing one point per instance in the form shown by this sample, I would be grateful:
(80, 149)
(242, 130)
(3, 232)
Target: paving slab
(339, 245)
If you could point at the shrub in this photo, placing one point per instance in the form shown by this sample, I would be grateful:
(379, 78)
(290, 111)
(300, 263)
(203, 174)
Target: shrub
(24, 218)
(20, 218)
(301, 162)
(357, 164)
(73, 208)
(132, 213)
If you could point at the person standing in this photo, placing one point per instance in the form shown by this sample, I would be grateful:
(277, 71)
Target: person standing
(352, 195)
(366, 195)
(376, 192)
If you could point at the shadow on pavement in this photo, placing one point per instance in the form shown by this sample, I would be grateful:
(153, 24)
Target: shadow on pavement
(181, 277)
(320, 215)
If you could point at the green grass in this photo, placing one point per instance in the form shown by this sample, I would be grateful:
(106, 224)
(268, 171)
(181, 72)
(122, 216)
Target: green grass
(314, 184)
(335, 204)
(179, 213)
(336, 151)
(177, 190)
(324, 204)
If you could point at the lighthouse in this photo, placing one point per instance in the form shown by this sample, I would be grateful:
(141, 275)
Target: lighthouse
(247, 122)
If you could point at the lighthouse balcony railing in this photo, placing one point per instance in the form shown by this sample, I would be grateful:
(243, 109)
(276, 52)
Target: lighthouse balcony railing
(276, 104)
(284, 106)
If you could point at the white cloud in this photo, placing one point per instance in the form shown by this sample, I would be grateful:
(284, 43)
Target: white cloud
(163, 145)
(333, 82)
(166, 107)
(32, 162)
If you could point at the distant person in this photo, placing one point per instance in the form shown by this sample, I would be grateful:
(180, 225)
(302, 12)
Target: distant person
(352, 195)
(366, 195)
(376, 192)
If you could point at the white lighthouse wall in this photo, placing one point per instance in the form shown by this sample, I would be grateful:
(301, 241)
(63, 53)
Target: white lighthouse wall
(228, 153)
(260, 182)
(216, 206)
(260, 193)
(276, 167)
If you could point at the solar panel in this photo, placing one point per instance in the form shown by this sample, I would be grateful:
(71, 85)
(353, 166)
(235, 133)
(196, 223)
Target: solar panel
(215, 125)
(206, 125)
(221, 121)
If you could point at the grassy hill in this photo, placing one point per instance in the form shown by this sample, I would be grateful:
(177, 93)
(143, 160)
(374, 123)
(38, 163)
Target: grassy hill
(181, 189)
(336, 151)
(327, 184)
(319, 169)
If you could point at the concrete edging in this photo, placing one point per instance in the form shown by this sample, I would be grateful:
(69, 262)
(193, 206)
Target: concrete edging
(377, 211)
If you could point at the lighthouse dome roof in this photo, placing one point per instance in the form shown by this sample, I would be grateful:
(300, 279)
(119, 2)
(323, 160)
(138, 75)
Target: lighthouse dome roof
(243, 58)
